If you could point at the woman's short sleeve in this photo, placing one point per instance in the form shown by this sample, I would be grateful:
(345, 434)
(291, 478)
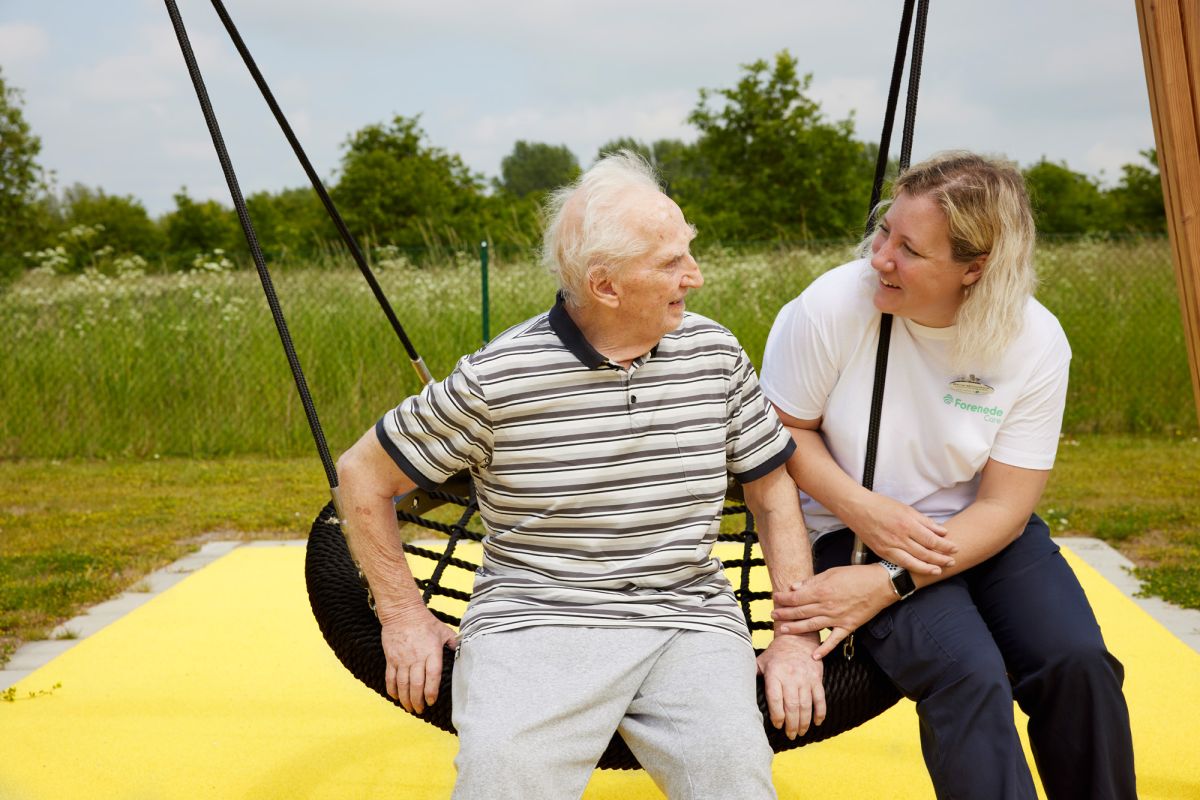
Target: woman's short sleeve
(800, 367)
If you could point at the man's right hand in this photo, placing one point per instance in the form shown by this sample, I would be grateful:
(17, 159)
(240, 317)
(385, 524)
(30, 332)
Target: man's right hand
(902, 535)
(413, 644)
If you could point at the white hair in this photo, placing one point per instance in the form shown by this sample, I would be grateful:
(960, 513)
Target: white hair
(587, 225)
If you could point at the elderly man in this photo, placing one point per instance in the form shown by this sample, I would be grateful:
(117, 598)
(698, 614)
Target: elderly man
(599, 436)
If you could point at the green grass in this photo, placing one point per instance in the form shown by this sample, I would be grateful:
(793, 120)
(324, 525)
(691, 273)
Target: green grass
(189, 364)
(1142, 496)
(73, 533)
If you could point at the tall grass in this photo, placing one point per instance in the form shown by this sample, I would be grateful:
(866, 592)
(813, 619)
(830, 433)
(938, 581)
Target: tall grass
(189, 363)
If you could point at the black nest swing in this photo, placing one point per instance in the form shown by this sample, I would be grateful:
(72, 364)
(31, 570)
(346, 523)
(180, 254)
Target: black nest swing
(856, 689)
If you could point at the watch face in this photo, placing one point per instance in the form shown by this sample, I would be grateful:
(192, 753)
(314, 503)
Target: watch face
(903, 583)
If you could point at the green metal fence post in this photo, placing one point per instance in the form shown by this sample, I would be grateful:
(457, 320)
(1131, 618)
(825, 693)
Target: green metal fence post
(483, 278)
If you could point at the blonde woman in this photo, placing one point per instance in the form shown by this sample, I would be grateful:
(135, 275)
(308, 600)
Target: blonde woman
(968, 603)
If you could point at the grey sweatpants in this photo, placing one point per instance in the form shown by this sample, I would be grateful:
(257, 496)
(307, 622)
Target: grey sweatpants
(536, 707)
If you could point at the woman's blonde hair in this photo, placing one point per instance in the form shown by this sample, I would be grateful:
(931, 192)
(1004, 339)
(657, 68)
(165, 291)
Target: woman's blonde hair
(988, 214)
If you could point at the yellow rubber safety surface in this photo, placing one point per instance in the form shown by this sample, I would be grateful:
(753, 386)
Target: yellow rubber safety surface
(222, 687)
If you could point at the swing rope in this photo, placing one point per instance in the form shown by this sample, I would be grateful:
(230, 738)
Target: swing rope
(347, 238)
(857, 690)
(260, 264)
(859, 554)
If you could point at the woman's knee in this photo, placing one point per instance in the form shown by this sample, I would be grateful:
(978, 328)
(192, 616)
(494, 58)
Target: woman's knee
(976, 682)
(1085, 667)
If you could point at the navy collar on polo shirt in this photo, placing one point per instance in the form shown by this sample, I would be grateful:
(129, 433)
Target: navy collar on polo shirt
(573, 338)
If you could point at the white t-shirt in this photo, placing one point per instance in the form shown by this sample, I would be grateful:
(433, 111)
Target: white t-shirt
(939, 427)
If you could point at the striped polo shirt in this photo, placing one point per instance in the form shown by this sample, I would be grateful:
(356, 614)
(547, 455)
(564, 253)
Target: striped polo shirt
(600, 488)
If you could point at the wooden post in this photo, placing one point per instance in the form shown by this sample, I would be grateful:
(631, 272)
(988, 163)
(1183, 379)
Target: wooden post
(1170, 31)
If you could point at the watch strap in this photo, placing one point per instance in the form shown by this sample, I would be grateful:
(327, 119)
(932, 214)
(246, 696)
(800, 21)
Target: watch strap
(902, 582)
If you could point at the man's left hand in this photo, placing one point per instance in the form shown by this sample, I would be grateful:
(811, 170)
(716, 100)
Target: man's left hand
(792, 677)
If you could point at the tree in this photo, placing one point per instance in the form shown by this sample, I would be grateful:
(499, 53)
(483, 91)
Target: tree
(290, 223)
(200, 227)
(397, 189)
(1137, 201)
(23, 183)
(625, 143)
(536, 167)
(769, 165)
(1065, 201)
(673, 159)
(126, 227)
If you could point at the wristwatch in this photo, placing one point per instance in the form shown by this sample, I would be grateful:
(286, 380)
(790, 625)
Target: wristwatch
(902, 582)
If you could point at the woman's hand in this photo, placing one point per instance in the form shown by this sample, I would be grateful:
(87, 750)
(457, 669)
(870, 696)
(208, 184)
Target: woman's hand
(890, 528)
(901, 534)
(841, 599)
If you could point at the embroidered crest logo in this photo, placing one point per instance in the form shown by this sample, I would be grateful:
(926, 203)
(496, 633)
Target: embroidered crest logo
(971, 385)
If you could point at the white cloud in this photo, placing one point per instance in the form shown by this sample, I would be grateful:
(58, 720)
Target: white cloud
(864, 98)
(150, 68)
(111, 99)
(22, 43)
(1105, 159)
(583, 127)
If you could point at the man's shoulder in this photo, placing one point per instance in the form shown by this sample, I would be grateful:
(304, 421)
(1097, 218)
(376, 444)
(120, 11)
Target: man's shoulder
(698, 331)
(525, 339)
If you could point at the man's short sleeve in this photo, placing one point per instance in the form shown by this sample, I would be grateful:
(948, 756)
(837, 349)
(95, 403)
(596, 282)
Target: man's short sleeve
(756, 442)
(444, 429)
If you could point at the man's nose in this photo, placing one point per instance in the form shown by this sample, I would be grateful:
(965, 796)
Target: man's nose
(693, 276)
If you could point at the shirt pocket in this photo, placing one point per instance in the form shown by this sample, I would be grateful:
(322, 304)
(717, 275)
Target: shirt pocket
(702, 462)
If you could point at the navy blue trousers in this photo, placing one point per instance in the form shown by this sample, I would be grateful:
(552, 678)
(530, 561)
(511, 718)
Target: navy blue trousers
(1016, 626)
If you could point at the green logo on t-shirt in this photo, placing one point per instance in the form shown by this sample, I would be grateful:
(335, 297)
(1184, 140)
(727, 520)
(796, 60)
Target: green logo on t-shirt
(991, 414)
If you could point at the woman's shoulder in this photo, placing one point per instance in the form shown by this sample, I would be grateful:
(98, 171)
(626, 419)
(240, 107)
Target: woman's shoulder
(842, 293)
(1041, 328)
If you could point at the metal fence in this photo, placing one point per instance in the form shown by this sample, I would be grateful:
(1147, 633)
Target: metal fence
(121, 362)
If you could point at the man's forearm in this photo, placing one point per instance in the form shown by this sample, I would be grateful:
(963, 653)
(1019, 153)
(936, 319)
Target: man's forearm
(368, 481)
(374, 540)
(781, 533)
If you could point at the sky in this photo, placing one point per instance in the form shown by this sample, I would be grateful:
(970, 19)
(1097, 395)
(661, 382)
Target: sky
(105, 87)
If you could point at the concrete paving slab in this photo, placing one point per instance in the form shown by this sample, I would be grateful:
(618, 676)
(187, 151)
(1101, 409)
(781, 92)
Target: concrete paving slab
(35, 654)
(1118, 570)
(95, 619)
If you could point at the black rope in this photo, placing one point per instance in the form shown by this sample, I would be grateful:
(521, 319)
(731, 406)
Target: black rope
(460, 529)
(889, 116)
(881, 358)
(885, 324)
(260, 264)
(910, 121)
(319, 187)
(914, 84)
(440, 527)
(748, 537)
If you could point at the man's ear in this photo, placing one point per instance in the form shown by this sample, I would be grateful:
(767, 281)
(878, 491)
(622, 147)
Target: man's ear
(974, 270)
(600, 286)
